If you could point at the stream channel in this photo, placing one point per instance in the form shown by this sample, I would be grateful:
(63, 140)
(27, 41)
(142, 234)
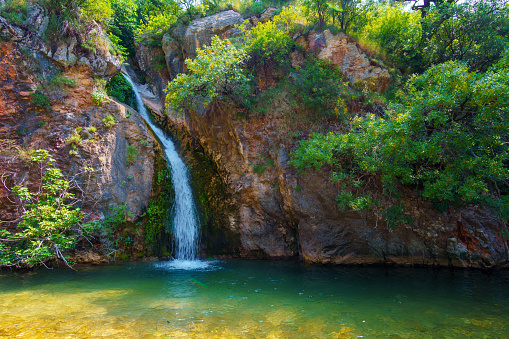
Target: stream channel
(253, 299)
(191, 298)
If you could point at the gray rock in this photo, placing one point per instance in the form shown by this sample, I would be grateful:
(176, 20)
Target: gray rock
(199, 33)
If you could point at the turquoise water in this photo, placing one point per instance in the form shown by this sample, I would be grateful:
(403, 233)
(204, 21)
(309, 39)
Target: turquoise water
(253, 299)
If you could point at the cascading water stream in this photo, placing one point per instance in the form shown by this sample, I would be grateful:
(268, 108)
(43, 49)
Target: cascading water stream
(185, 221)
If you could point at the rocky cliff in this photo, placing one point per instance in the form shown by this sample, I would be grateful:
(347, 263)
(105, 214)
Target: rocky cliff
(46, 101)
(273, 212)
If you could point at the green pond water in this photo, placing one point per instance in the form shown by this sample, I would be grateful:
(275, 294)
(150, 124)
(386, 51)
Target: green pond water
(253, 299)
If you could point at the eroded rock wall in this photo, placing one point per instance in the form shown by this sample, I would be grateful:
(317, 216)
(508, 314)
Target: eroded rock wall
(27, 69)
(276, 213)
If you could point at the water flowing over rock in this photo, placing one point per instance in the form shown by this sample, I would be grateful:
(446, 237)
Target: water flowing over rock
(185, 221)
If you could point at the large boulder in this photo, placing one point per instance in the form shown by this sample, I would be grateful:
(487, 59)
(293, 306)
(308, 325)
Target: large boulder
(199, 33)
(351, 60)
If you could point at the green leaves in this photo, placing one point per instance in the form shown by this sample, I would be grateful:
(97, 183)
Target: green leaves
(49, 226)
(215, 73)
(447, 136)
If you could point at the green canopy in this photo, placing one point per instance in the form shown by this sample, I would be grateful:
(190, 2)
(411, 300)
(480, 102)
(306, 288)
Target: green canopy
(337, 8)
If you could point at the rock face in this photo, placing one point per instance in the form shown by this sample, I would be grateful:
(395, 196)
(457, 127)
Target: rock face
(269, 211)
(352, 62)
(199, 33)
(279, 214)
(65, 52)
(27, 69)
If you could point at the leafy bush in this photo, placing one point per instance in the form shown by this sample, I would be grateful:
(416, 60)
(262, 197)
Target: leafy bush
(151, 31)
(50, 224)
(109, 121)
(132, 154)
(215, 73)
(318, 86)
(120, 88)
(61, 81)
(99, 94)
(447, 136)
(14, 11)
(268, 42)
(41, 100)
(393, 30)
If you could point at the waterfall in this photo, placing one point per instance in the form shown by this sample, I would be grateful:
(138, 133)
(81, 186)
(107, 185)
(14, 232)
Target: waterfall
(185, 221)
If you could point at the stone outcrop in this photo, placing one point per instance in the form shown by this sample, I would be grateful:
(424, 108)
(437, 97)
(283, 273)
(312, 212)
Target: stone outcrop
(280, 214)
(199, 33)
(65, 52)
(27, 69)
(350, 59)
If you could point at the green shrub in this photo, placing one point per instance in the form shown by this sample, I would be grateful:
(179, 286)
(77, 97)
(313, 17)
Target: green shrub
(269, 42)
(132, 154)
(215, 73)
(447, 136)
(393, 31)
(50, 224)
(14, 11)
(318, 86)
(120, 88)
(99, 94)
(41, 100)
(109, 121)
(61, 82)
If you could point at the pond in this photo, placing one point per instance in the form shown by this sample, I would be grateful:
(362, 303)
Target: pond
(253, 299)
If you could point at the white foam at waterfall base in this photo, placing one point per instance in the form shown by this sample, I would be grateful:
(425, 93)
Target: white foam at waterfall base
(185, 222)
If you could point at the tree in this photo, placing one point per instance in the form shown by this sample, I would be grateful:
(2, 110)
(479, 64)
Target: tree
(215, 73)
(317, 9)
(447, 136)
(50, 224)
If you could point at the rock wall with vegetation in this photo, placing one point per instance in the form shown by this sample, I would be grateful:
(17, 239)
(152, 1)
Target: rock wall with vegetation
(276, 122)
(103, 166)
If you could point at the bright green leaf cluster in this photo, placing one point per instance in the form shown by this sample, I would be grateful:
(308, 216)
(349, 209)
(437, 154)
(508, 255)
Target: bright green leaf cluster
(447, 135)
(50, 224)
(215, 73)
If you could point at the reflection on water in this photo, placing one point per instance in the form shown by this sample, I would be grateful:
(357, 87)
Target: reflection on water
(253, 299)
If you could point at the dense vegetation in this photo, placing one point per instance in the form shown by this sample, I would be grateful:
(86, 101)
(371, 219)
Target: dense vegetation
(441, 131)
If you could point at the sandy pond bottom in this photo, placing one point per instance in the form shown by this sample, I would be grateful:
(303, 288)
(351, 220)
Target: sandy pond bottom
(253, 299)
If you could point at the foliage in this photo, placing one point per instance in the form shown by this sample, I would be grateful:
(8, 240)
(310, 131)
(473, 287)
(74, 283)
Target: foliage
(61, 81)
(475, 32)
(394, 30)
(124, 23)
(50, 224)
(132, 154)
(215, 73)
(99, 94)
(318, 86)
(152, 31)
(41, 100)
(14, 11)
(109, 121)
(268, 42)
(447, 136)
(316, 10)
(121, 89)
